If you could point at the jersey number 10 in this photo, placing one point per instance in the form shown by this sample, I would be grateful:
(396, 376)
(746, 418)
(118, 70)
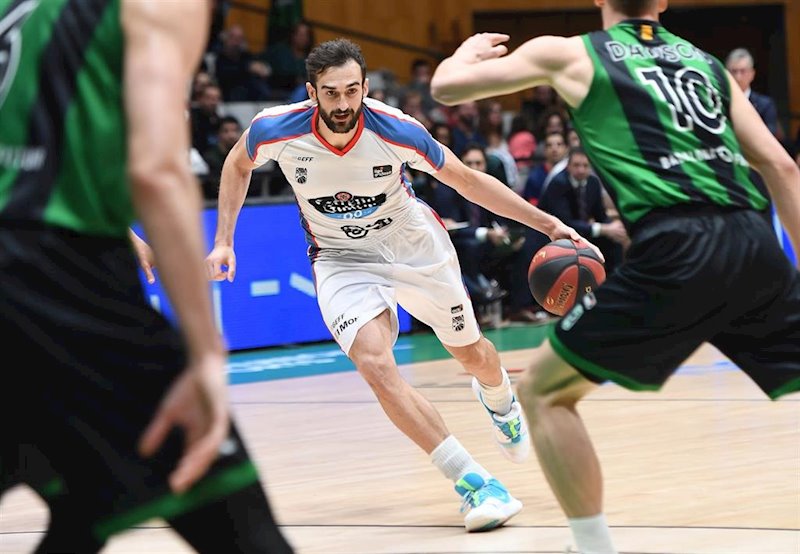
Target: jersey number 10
(691, 98)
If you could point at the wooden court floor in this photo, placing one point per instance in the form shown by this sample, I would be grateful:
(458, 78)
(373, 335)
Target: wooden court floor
(708, 465)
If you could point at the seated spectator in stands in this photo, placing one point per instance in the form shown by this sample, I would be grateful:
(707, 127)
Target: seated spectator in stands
(501, 239)
(421, 71)
(287, 60)
(229, 132)
(466, 127)
(552, 121)
(241, 76)
(575, 196)
(542, 98)
(555, 150)
(200, 81)
(204, 118)
(412, 104)
(741, 66)
(573, 140)
(522, 146)
(492, 129)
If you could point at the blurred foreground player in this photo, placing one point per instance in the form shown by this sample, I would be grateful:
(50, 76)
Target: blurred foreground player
(127, 414)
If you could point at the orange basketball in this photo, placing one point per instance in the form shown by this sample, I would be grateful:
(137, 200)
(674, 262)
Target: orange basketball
(561, 272)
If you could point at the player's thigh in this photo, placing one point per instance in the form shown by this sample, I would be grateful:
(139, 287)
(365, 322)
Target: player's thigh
(351, 294)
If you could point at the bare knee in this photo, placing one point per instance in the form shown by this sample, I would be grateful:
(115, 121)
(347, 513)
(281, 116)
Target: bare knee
(550, 382)
(380, 372)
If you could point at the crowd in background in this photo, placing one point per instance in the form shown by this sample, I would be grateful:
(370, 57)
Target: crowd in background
(535, 151)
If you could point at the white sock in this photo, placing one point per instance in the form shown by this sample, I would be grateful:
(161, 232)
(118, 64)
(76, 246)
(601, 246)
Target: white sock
(453, 460)
(498, 399)
(592, 535)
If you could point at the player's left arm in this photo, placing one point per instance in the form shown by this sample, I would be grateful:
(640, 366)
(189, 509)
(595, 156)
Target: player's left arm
(487, 191)
(480, 68)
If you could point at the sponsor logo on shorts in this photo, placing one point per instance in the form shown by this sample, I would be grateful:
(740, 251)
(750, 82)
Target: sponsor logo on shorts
(344, 205)
(301, 175)
(458, 323)
(340, 324)
(381, 171)
(358, 232)
(457, 309)
(588, 302)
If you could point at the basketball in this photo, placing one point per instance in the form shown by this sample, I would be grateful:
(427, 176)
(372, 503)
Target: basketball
(561, 272)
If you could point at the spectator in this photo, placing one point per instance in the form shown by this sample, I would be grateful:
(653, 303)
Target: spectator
(287, 61)
(544, 98)
(555, 150)
(421, 71)
(576, 197)
(412, 103)
(229, 132)
(741, 65)
(204, 117)
(522, 146)
(466, 127)
(241, 77)
(552, 121)
(200, 81)
(573, 140)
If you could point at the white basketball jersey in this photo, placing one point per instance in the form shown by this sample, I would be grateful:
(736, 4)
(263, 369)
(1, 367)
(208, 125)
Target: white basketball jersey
(350, 194)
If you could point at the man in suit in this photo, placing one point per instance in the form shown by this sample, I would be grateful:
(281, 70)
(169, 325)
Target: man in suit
(741, 65)
(576, 196)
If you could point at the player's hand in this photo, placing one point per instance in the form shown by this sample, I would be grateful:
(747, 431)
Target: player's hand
(197, 402)
(563, 231)
(482, 46)
(221, 264)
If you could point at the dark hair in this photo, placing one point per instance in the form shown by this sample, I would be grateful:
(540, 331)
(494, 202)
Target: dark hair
(333, 53)
(558, 134)
(419, 62)
(576, 151)
(229, 119)
(473, 145)
(311, 40)
(632, 7)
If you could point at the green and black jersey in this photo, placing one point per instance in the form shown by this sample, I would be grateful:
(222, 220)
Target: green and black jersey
(656, 123)
(62, 137)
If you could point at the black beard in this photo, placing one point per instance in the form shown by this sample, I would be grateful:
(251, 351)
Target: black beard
(345, 127)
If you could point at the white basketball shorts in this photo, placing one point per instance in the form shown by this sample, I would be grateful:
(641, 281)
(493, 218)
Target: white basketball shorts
(414, 265)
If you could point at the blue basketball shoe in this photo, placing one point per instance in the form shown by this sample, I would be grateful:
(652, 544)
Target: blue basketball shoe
(487, 504)
(510, 430)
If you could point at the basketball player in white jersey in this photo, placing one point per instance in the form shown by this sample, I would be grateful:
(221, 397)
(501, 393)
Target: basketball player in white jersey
(374, 245)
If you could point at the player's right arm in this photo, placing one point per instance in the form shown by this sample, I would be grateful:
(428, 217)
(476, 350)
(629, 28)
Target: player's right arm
(480, 68)
(766, 154)
(234, 182)
(163, 45)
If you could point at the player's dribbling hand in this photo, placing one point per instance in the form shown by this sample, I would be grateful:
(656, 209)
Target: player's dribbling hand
(197, 403)
(221, 264)
(482, 46)
(563, 231)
